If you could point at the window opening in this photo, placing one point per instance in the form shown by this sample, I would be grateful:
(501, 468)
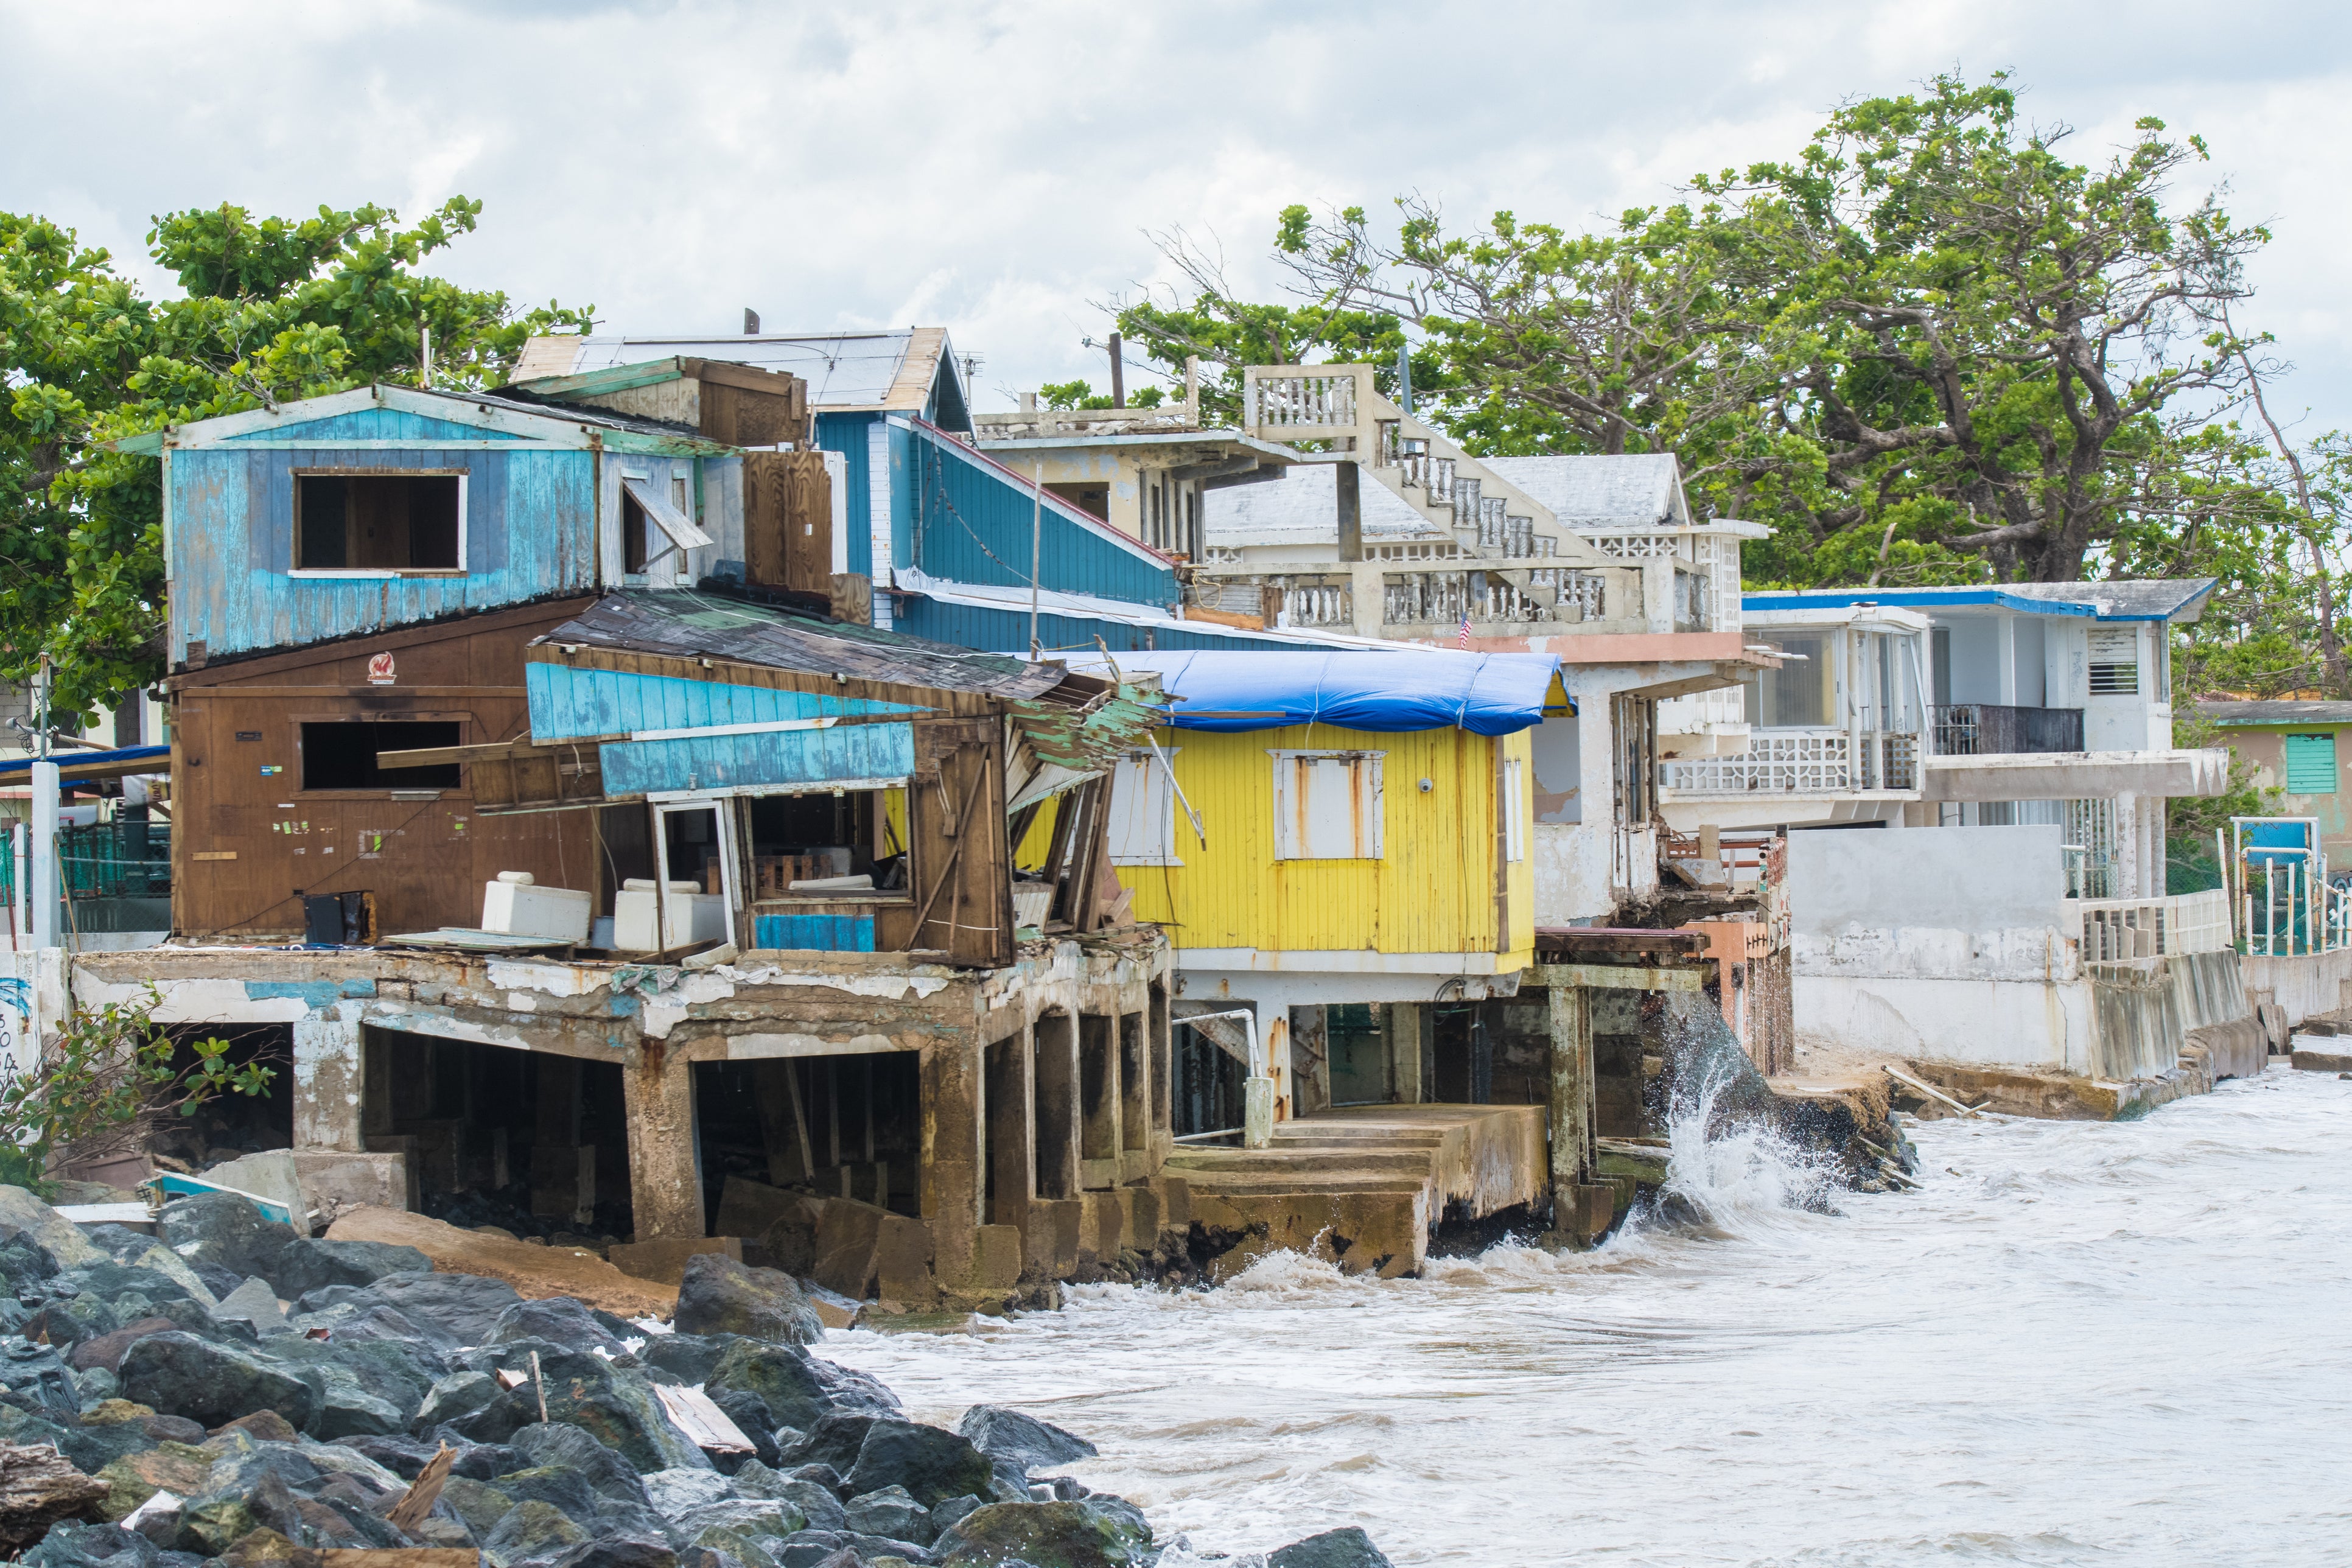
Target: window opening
(377, 523)
(1327, 806)
(632, 535)
(2114, 662)
(341, 754)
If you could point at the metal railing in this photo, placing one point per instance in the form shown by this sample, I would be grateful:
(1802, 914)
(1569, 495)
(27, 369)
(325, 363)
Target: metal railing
(1993, 729)
(104, 861)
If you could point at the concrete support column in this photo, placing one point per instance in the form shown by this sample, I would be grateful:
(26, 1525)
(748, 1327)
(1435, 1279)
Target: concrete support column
(1571, 1085)
(665, 1183)
(1274, 1028)
(1057, 1120)
(1404, 1027)
(1008, 1105)
(328, 1084)
(2126, 849)
(954, 1105)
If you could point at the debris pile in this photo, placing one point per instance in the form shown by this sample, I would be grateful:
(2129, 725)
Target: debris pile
(229, 1391)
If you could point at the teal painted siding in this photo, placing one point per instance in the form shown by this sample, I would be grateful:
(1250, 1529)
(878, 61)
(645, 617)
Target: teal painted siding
(531, 522)
(375, 425)
(993, 630)
(845, 434)
(819, 933)
(568, 703)
(747, 762)
(2311, 764)
(972, 519)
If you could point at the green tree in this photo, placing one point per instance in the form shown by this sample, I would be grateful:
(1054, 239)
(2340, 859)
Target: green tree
(270, 310)
(108, 1071)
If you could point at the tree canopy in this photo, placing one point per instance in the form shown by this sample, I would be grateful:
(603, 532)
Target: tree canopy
(1940, 343)
(269, 310)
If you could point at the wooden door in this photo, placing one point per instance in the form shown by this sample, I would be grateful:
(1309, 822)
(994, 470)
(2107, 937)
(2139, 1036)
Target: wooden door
(962, 859)
(787, 522)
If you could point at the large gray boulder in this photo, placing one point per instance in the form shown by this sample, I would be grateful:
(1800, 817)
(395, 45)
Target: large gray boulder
(225, 1231)
(559, 1321)
(718, 1295)
(799, 1389)
(1024, 1441)
(1348, 1548)
(305, 1264)
(180, 1375)
(929, 1462)
(1046, 1535)
(463, 1306)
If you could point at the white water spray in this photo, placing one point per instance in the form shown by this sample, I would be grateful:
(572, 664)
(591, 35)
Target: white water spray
(1733, 1173)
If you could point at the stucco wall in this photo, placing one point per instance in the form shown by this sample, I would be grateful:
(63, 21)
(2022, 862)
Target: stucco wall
(1950, 878)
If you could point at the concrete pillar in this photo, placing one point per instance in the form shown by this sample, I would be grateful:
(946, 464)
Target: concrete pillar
(328, 1084)
(665, 1186)
(1571, 1085)
(1135, 1096)
(954, 1105)
(1161, 1044)
(1274, 1028)
(1310, 1059)
(1404, 1052)
(2127, 847)
(1100, 1136)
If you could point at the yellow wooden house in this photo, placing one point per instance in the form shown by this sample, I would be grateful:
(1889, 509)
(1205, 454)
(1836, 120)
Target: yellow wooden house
(1318, 830)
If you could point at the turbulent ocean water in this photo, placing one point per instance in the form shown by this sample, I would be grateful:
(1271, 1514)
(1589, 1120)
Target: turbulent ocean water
(2124, 1343)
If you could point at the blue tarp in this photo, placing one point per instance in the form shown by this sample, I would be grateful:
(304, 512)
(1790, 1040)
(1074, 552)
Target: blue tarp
(1411, 688)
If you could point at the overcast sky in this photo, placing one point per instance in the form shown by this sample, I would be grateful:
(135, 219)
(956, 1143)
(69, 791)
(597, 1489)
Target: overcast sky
(991, 168)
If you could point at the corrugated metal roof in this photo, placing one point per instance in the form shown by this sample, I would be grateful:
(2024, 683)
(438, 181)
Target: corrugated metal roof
(683, 624)
(1632, 490)
(2252, 715)
(843, 370)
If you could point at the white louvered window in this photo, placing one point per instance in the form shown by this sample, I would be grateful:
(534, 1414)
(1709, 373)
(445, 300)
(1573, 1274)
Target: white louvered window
(1142, 811)
(1327, 806)
(2114, 661)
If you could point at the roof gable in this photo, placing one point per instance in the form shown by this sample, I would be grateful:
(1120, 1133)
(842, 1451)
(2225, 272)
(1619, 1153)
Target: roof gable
(375, 423)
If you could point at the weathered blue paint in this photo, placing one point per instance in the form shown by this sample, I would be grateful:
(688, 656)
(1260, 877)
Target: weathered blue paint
(969, 520)
(815, 933)
(996, 630)
(530, 524)
(567, 704)
(845, 434)
(746, 762)
(373, 425)
(312, 994)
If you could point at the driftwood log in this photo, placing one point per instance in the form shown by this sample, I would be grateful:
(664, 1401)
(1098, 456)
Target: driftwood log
(39, 1487)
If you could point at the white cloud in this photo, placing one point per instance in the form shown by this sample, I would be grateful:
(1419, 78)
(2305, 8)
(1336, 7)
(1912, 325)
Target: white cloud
(990, 167)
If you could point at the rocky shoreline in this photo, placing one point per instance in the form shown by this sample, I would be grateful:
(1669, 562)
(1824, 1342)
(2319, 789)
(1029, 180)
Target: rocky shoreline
(228, 1392)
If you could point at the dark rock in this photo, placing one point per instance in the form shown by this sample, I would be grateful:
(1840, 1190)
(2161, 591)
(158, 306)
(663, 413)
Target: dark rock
(180, 1375)
(1348, 1548)
(305, 1264)
(799, 1389)
(355, 1322)
(171, 1429)
(77, 1545)
(39, 1377)
(66, 1323)
(750, 1413)
(1044, 1535)
(954, 1509)
(891, 1511)
(560, 1321)
(465, 1305)
(107, 1350)
(612, 1404)
(532, 1529)
(262, 1427)
(226, 1515)
(1025, 1440)
(619, 1551)
(118, 1242)
(832, 1548)
(560, 1485)
(24, 1261)
(111, 1281)
(693, 1358)
(673, 1492)
(480, 1461)
(718, 1295)
(218, 1280)
(748, 1527)
(821, 1502)
(477, 1503)
(929, 1462)
(824, 1475)
(404, 1456)
(368, 1388)
(572, 1448)
(459, 1393)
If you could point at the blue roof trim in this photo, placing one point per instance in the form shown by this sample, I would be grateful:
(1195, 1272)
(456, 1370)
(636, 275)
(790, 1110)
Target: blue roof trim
(1919, 601)
(1382, 692)
(68, 760)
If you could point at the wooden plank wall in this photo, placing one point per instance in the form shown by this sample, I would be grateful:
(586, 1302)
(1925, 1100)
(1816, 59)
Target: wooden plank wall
(244, 839)
(787, 522)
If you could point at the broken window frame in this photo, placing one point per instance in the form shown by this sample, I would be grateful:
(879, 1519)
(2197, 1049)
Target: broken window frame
(294, 503)
(1143, 831)
(662, 514)
(303, 787)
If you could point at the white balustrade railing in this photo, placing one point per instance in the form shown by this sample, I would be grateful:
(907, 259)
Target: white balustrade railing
(2109, 929)
(1302, 402)
(1322, 605)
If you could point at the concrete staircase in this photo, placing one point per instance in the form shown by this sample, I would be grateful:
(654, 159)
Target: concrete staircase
(1368, 1182)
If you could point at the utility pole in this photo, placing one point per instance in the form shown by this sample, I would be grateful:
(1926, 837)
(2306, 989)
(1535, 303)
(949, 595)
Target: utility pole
(1118, 375)
(44, 879)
